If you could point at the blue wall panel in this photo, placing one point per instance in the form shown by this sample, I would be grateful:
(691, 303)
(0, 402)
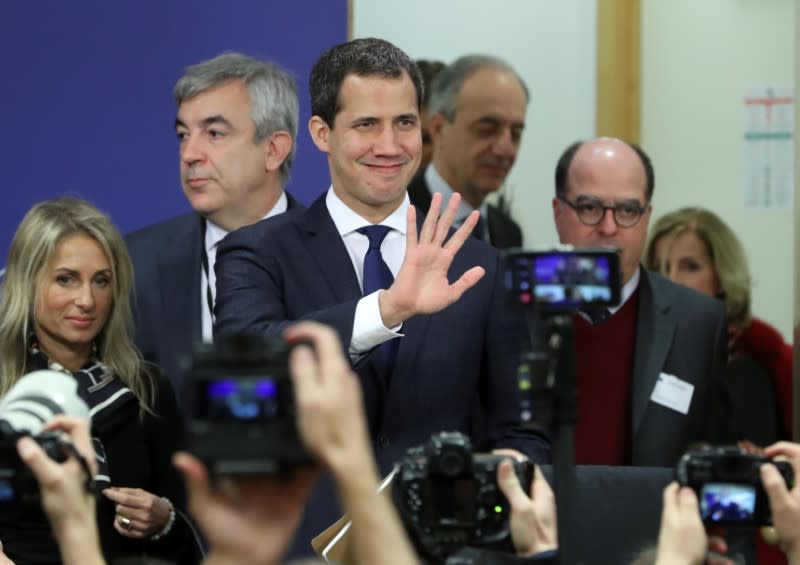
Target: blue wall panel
(86, 95)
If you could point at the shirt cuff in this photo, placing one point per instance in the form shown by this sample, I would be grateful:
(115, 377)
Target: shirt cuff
(368, 328)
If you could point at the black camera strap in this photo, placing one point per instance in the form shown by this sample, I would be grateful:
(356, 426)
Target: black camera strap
(204, 262)
(73, 451)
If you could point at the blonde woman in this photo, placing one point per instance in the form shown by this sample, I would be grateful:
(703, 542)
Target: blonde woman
(65, 306)
(695, 248)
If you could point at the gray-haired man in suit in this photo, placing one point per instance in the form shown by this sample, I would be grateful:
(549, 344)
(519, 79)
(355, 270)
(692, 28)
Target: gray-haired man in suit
(236, 126)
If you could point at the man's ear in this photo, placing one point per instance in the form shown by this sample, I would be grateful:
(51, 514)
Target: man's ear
(278, 148)
(319, 131)
(436, 122)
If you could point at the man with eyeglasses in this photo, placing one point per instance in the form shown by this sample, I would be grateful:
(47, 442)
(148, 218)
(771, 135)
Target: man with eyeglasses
(649, 372)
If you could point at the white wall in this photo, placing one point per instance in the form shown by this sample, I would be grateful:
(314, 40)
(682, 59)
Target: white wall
(551, 44)
(698, 57)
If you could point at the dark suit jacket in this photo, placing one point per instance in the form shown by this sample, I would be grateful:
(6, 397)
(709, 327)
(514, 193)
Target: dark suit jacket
(683, 333)
(295, 266)
(166, 303)
(504, 233)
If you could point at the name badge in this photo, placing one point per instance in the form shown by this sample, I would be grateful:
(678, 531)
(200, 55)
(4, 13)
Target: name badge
(672, 392)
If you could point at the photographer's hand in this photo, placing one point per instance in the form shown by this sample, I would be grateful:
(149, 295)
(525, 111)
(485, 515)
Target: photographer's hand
(246, 520)
(4, 560)
(784, 502)
(682, 538)
(533, 519)
(332, 424)
(65, 499)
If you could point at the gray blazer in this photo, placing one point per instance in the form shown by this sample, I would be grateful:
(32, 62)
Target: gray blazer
(683, 333)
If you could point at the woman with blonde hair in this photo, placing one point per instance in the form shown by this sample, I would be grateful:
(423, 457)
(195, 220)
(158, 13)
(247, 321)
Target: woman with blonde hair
(65, 306)
(695, 248)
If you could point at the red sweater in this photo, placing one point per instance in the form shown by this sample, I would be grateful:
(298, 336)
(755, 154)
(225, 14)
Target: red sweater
(604, 366)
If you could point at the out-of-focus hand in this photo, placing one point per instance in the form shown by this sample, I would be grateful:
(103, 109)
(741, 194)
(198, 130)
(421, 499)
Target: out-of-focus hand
(69, 505)
(682, 537)
(422, 286)
(63, 486)
(330, 411)
(139, 514)
(246, 520)
(533, 519)
(4, 560)
(784, 502)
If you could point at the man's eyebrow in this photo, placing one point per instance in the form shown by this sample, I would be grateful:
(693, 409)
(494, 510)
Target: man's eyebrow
(216, 119)
(210, 120)
(409, 116)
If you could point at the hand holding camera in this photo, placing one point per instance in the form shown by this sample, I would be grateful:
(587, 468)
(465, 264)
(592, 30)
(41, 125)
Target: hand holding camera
(727, 482)
(261, 409)
(533, 518)
(68, 503)
(449, 497)
(330, 413)
(784, 498)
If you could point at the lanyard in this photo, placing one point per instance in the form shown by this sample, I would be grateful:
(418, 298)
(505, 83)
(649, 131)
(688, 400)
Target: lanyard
(204, 262)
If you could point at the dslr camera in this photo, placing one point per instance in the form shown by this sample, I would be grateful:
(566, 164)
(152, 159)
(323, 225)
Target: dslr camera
(32, 402)
(241, 417)
(563, 279)
(728, 484)
(448, 497)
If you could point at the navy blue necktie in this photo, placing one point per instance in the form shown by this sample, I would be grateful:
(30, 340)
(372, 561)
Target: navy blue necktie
(377, 276)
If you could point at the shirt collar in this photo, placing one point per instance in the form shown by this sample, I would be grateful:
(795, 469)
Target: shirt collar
(627, 290)
(348, 221)
(215, 234)
(437, 184)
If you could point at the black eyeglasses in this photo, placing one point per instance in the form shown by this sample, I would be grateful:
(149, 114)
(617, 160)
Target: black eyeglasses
(591, 212)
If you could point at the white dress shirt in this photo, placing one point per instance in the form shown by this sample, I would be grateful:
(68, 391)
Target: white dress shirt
(215, 234)
(368, 328)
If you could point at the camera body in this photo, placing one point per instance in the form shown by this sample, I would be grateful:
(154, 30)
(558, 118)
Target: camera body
(18, 486)
(35, 399)
(728, 484)
(241, 410)
(563, 279)
(448, 497)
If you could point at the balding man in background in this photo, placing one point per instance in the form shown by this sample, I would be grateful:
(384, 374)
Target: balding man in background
(649, 372)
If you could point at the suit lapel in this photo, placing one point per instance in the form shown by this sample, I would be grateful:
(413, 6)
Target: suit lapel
(327, 248)
(655, 327)
(419, 194)
(179, 272)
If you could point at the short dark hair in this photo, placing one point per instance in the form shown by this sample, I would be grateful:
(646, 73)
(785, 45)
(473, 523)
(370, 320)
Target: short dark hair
(565, 162)
(362, 57)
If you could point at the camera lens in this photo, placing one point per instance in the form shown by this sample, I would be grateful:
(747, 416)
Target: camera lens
(452, 462)
(39, 396)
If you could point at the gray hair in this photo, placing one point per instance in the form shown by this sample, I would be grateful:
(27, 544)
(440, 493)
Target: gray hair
(446, 85)
(273, 94)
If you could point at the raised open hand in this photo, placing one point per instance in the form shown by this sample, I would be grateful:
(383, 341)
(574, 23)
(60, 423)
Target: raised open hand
(421, 285)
